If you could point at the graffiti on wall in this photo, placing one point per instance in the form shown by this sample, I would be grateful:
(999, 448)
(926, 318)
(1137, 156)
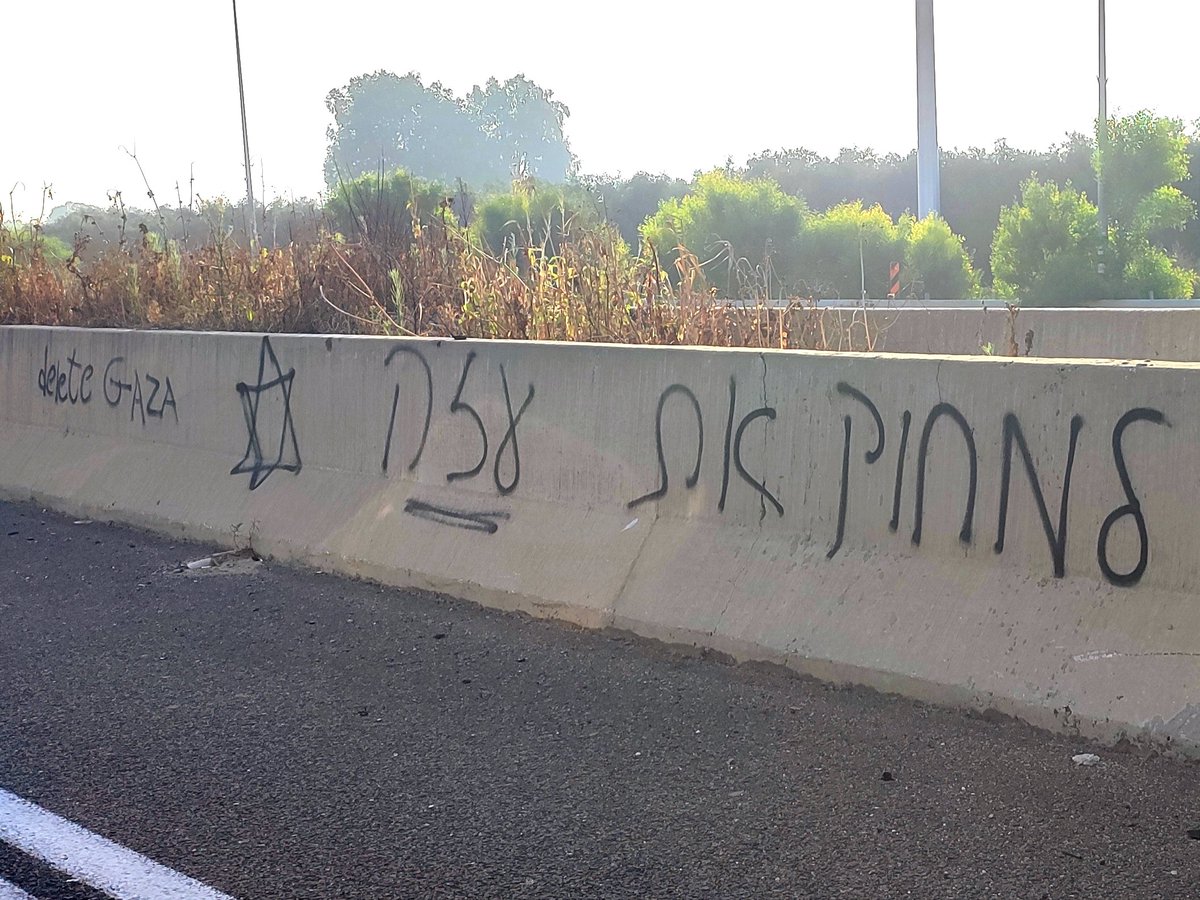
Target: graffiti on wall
(890, 448)
(943, 415)
(152, 402)
(271, 445)
(733, 448)
(147, 395)
(506, 465)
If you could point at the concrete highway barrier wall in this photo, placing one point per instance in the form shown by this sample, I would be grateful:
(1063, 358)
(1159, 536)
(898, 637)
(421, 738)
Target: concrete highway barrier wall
(1162, 334)
(1010, 534)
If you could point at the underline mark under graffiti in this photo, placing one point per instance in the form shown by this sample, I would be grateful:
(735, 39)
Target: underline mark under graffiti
(488, 522)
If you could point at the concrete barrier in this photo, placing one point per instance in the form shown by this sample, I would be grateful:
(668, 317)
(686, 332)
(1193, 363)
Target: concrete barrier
(1162, 334)
(1008, 534)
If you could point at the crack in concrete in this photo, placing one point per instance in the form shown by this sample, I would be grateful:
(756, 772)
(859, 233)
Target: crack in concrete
(612, 615)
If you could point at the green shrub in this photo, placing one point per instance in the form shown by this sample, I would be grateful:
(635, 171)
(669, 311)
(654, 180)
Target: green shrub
(383, 207)
(1046, 252)
(936, 262)
(732, 225)
(530, 215)
(1046, 248)
(849, 246)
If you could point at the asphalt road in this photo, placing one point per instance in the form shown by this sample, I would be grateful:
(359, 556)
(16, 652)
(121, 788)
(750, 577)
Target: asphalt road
(284, 733)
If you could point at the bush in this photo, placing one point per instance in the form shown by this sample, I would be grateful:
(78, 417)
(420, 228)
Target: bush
(1046, 248)
(740, 230)
(383, 207)
(1152, 273)
(24, 244)
(1046, 252)
(849, 246)
(530, 215)
(936, 262)
(628, 203)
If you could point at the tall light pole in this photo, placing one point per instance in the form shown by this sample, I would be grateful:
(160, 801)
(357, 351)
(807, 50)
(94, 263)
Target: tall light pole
(237, 44)
(1102, 144)
(929, 187)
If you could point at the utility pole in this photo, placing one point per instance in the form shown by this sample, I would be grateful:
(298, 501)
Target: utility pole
(237, 44)
(1102, 145)
(929, 187)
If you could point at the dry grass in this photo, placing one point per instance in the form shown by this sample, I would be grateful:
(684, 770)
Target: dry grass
(425, 279)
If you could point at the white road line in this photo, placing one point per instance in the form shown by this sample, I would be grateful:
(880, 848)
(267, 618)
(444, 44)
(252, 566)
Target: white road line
(117, 871)
(9, 891)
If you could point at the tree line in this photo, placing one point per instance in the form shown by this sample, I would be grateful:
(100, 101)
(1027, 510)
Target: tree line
(497, 163)
(1019, 224)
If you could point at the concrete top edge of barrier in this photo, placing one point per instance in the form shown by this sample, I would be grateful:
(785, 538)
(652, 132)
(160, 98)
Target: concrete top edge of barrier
(950, 304)
(1051, 361)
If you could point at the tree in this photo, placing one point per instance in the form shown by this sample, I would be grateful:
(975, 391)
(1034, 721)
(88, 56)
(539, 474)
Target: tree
(1144, 159)
(976, 182)
(738, 228)
(523, 126)
(530, 215)
(384, 207)
(1184, 246)
(1048, 248)
(628, 203)
(936, 262)
(889, 181)
(383, 121)
(849, 247)
(1146, 156)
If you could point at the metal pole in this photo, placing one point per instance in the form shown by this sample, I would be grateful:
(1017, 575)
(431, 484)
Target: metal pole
(929, 189)
(1102, 144)
(237, 44)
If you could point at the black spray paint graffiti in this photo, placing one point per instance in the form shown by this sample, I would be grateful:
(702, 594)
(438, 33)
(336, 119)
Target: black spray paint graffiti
(508, 443)
(487, 522)
(872, 456)
(1014, 442)
(946, 409)
(1013, 439)
(387, 447)
(1132, 507)
(733, 449)
(661, 490)
(255, 462)
(65, 382)
(1055, 526)
(456, 406)
(905, 425)
(510, 438)
(1057, 539)
(115, 389)
(69, 382)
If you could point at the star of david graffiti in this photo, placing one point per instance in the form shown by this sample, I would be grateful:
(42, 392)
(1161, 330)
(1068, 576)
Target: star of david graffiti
(255, 462)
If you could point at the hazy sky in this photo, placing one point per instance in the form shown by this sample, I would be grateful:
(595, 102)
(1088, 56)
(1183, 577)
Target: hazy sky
(656, 86)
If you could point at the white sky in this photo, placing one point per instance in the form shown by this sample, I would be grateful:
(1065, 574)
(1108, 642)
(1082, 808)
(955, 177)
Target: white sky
(652, 85)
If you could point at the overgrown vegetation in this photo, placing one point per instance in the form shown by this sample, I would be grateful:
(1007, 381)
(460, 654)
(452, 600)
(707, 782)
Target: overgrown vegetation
(1049, 246)
(407, 268)
(735, 257)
